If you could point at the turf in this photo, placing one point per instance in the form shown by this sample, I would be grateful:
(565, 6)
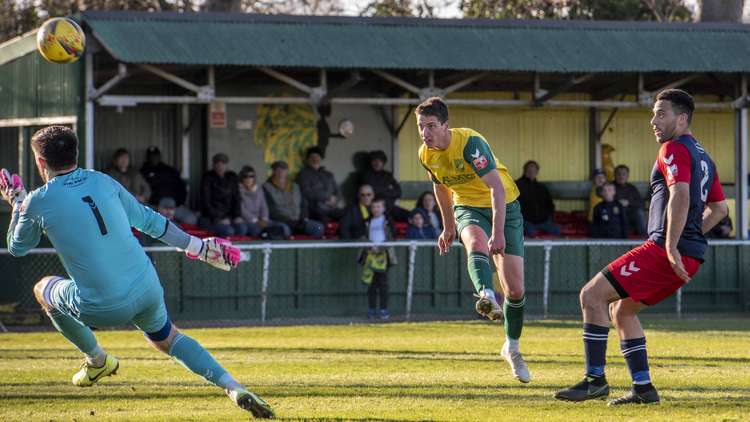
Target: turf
(393, 372)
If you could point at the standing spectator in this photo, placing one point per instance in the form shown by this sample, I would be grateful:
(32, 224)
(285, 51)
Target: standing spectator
(598, 179)
(319, 188)
(286, 204)
(254, 209)
(220, 200)
(352, 224)
(418, 226)
(384, 185)
(376, 260)
(722, 230)
(537, 207)
(427, 202)
(129, 177)
(629, 197)
(609, 216)
(165, 181)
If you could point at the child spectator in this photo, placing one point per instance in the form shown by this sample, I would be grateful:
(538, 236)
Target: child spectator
(598, 179)
(376, 260)
(427, 202)
(418, 228)
(610, 220)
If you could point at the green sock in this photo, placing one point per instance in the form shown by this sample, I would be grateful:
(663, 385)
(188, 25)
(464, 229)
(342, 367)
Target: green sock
(513, 309)
(480, 271)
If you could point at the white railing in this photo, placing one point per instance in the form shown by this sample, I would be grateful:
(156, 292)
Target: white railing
(268, 247)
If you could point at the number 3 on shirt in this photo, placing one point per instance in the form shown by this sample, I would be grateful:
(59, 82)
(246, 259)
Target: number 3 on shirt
(704, 180)
(98, 215)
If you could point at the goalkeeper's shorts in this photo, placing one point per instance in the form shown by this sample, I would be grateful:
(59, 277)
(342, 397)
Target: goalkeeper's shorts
(146, 311)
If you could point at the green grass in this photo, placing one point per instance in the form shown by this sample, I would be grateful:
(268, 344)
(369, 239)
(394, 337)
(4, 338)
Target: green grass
(394, 372)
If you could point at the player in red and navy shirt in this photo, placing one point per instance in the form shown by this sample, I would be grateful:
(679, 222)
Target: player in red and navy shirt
(686, 202)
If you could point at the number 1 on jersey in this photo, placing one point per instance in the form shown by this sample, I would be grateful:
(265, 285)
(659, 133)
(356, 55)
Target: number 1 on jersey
(97, 214)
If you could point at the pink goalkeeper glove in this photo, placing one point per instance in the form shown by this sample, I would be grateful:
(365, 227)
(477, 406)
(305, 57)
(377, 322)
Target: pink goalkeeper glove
(217, 252)
(11, 187)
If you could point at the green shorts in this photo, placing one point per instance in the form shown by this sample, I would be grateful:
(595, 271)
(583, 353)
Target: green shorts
(467, 215)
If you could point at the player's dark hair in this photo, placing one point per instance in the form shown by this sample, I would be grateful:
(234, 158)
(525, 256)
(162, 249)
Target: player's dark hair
(58, 145)
(433, 106)
(682, 102)
(622, 167)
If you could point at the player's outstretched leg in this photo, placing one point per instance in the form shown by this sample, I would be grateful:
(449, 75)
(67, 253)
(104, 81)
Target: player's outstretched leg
(480, 271)
(510, 268)
(197, 359)
(633, 346)
(50, 291)
(595, 298)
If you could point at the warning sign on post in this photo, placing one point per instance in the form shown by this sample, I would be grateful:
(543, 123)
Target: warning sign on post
(218, 112)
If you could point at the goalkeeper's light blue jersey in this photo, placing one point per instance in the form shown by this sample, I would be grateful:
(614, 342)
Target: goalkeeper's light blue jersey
(87, 216)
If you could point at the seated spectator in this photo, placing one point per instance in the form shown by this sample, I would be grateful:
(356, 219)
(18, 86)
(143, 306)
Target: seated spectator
(254, 209)
(319, 188)
(352, 225)
(427, 202)
(165, 181)
(286, 204)
(609, 216)
(598, 179)
(629, 197)
(384, 185)
(418, 227)
(129, 177)
(722, 230)
(220, 200)
(166, 207)
(376, 260)
(537, 207)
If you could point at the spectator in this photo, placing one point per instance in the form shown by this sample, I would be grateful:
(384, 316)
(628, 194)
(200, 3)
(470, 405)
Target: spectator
(629, 197)
(609, 216)
(722, 230)
(598, 179)
(384, 185)
(536, 203)
(352, 224)
(254, 209)
(376, 260)
(166, 207)
(319, 188)
(286, 204)
(426, 201)
(129, 177)
(165, 181)
(220, 200)
(418, 226)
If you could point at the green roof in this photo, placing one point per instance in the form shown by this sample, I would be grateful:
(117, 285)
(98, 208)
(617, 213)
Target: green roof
(408, 43)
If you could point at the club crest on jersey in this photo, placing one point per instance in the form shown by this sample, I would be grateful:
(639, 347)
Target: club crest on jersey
(479, 160)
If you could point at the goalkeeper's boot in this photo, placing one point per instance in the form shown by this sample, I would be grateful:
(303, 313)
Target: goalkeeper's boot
(487, 305)
(517, 364)
(89, 375)
(251, 402)
(588, 389)
(647, 396)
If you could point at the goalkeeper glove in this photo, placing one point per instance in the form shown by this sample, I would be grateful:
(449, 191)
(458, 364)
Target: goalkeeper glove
(214, 251)
(11, 188)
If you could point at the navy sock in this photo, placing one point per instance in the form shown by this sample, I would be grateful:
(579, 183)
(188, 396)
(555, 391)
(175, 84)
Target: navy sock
(595, 347)
(634, 351)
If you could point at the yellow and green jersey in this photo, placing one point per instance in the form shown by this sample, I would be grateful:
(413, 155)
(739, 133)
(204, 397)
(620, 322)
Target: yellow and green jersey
(461, 166)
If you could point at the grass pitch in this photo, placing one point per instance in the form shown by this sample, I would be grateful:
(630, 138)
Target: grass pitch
(392, 372)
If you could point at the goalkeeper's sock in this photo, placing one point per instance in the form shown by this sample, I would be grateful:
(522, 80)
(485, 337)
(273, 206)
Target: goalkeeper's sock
(513, 310)
(75, 331)
(96, 357)
(595, 348)
(480, 271)
(197, 359)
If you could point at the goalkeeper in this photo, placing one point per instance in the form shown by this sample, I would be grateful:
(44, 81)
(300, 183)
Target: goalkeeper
(88, 217)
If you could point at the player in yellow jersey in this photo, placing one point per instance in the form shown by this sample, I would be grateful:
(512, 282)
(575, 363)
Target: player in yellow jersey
(478, 200)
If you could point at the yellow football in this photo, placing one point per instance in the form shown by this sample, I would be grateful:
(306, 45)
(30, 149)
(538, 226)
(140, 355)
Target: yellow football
(60, 40)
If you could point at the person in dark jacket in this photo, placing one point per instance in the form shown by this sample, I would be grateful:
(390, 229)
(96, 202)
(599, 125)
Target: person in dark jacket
(384, 185)
(537, 206)
(609, 216)
(418, 226)
(286, 204)
(629, 197)
(165, 182)
(352, 225)
(319, 188)
(220, 200)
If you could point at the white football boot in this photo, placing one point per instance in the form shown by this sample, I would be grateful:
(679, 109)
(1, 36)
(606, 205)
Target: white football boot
(517, 364)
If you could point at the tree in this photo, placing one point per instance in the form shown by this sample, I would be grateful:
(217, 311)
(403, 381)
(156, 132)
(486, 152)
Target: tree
(659, 10)
(420, 8)
(294, 7)
(721, 10)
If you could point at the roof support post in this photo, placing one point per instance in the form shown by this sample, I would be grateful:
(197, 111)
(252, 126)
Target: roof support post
(286, 79)
(562, 88)
(397, 81)
(122, 73)
(538, 91)
(89, 111)
(460, 84)
(647, 97)
(206, 92)
(595, 145)
(741, 166)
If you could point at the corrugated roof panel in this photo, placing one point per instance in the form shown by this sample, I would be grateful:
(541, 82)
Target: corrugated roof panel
(345, 43)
